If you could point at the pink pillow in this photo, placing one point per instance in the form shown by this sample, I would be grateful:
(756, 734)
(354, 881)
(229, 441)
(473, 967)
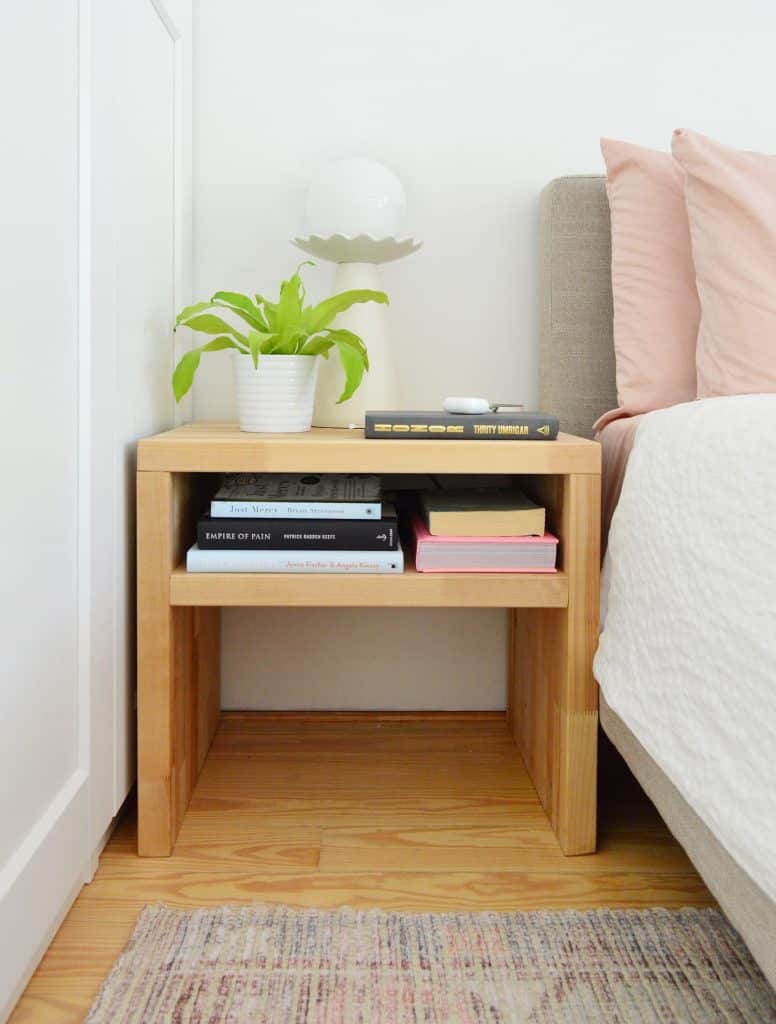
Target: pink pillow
(731, 202)
(656, 309)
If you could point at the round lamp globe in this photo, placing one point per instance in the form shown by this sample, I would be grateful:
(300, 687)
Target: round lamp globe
(356, 197)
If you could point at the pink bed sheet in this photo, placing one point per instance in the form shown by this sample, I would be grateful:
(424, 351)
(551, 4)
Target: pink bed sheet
(616, 440)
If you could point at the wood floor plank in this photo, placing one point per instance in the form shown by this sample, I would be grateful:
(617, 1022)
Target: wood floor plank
(365, 809)
(404, 890)
(354, 779)
(410, 812)
(271, 845)
(241, 820)
(507, 848)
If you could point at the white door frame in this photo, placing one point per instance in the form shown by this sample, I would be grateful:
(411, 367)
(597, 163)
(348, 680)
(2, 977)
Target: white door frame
(176, 18)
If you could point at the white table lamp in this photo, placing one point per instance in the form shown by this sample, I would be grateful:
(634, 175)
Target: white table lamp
(355, 209)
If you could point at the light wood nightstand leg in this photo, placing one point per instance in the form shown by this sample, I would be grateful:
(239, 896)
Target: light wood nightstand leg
(553, 697)
(178, 668)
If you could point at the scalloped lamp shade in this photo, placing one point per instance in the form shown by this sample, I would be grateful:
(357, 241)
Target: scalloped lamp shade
(356, 197)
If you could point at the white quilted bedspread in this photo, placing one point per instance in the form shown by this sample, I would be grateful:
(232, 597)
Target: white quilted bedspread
(687, 656)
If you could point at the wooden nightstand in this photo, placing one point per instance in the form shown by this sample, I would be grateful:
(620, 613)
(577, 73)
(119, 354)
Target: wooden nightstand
(553, 699)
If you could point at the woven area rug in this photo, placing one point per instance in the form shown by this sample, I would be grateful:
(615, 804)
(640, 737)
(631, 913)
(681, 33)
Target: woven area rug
(265, 964)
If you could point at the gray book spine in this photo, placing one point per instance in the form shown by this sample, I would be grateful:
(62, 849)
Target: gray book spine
(441, 426)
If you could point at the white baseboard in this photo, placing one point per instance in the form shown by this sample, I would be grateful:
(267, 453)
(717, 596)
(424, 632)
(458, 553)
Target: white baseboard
(38, 886)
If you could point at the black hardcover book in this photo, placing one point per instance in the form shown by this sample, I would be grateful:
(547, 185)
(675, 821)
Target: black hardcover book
(214, 534)
(488, 426)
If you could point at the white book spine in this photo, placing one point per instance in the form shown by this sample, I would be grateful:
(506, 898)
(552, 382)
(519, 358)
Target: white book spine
(296, 509)
(294, 561)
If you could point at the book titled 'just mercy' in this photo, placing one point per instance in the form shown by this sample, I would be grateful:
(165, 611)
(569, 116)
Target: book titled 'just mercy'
(298, 496)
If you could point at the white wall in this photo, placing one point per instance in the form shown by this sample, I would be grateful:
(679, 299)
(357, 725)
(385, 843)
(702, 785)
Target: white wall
(476, 106)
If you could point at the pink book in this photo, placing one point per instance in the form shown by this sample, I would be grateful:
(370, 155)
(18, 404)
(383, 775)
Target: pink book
(482, 554)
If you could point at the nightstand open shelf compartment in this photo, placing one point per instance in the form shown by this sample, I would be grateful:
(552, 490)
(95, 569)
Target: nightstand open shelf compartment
(552, 697)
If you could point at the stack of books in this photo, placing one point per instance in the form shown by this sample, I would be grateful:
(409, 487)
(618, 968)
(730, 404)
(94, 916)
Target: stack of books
(490, 530)
(305, 522)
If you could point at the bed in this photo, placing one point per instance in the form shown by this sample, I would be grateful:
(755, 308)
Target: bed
(690, 565)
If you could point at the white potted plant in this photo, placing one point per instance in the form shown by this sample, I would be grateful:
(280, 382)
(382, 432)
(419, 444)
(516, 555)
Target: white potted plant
(276, 352)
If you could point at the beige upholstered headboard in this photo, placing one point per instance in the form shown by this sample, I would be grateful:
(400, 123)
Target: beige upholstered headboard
(576, 360)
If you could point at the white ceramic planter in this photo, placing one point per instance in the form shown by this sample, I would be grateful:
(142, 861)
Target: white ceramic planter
(277, 397)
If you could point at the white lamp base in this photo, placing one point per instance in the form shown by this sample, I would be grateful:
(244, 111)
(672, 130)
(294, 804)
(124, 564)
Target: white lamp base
(379, 388)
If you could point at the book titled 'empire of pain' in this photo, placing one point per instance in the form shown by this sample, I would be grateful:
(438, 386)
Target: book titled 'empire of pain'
(488, 426)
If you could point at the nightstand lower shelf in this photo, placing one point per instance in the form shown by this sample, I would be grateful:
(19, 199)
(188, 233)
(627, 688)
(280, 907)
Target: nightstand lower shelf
(335, 590)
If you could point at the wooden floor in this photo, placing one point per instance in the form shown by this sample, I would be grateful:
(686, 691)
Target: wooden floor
(400, 812)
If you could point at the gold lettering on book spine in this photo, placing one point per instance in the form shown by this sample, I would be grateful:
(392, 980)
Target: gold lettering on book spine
(478, 429)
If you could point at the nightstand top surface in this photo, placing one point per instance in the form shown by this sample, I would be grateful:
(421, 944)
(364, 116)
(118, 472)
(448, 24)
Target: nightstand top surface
(212, 447)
